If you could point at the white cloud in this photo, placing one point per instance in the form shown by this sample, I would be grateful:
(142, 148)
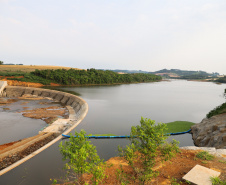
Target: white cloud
(209, 6)
(143, 17)
(124, 34)
(14, 21)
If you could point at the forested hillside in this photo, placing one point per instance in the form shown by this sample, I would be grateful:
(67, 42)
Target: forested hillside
(184, 74)
(175, 73)
(82, 77)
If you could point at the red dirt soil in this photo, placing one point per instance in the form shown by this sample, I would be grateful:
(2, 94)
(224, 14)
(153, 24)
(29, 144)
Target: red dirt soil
(24, 84)
(176, 168)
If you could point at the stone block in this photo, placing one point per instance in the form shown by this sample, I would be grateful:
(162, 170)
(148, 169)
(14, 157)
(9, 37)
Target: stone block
(59, 97)
(200, 175)
(71, 100)
(65, 99)
(52, 94)
(45, 93)
(74, 104)
(37, 92)
(81, 103)
(28, 91)
(77, 108)
(14, 91)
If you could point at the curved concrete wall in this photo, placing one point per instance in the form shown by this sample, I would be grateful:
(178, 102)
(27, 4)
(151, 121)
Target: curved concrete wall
(3, 84)
(78, 108)
(76, 102)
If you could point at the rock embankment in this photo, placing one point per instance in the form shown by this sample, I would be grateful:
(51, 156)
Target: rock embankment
(210, 132)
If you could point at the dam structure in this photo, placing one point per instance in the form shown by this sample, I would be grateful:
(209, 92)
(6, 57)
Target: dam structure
(3, 84)
(77, 108)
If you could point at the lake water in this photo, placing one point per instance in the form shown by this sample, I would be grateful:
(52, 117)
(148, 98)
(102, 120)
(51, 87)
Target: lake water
(14, 126)
(114, 109)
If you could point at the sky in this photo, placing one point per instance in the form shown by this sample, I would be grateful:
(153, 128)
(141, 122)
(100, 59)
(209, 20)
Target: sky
(115, 34)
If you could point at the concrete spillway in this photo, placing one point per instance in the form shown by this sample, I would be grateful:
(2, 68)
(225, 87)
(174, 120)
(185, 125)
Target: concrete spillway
(3, 84)
(76, 106)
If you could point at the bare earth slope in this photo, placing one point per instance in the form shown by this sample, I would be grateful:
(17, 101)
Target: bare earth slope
(27, 68)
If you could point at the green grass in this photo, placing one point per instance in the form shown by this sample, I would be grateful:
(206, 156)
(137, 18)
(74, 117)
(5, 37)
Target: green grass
(205, 156)
(217, 181)
(221, 161)
(178, 126)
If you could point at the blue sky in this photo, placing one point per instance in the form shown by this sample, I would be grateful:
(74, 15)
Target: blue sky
(120, 34)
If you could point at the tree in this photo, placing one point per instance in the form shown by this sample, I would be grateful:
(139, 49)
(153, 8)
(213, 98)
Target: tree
(147, 142)
(1, 62)
(82, 158)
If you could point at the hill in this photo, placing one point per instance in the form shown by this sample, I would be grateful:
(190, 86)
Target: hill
(175, 73)
(125, 71)
(184, 74)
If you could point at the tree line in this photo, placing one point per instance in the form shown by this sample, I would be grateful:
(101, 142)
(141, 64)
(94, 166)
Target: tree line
(89, 76)
(221, 80)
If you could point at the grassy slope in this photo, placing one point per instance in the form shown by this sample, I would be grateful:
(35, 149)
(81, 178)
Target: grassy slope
(178, 126)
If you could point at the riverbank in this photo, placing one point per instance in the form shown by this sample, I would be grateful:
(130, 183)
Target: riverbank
(39, 85)
(23, 84)
(15, 151)
(170, 172)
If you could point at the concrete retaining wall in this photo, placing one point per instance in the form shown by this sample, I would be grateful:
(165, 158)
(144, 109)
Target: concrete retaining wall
(3, 84)
(77, 107)
(68, 99)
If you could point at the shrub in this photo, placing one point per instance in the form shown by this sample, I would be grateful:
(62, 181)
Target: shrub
(218, 110)
(147, 142)
(82, 158)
